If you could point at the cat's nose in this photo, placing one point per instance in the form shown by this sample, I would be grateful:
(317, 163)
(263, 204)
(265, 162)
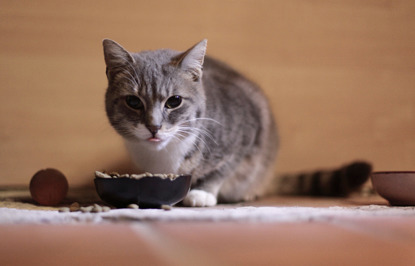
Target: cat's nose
(153, 128)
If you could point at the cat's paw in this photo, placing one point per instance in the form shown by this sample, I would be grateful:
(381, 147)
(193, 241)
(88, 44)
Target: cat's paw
(199, 198)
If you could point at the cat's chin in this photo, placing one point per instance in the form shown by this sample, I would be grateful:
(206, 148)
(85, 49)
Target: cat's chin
(153, 143)
(156, 144)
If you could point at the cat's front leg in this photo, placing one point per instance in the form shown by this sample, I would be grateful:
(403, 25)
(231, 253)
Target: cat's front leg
(199, 198)
(204, 192)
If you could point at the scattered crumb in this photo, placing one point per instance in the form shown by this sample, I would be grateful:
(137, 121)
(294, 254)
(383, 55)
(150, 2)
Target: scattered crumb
(74, 207)
(166, 207)
(133, 206)
(64, 209)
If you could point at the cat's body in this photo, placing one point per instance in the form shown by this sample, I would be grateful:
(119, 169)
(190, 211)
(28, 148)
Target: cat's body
(186, 113)
(234, 145)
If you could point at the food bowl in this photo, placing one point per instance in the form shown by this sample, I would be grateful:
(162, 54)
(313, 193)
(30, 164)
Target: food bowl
(145, 190)
(397, 187)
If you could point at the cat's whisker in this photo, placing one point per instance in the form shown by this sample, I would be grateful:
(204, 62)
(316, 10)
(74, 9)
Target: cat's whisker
(180, 134)
(184, 132)
(196, 136)
(177, 138)
(205, 132)
(187, 132)
(201, 118)
(202, 132)
(197, 146)
(208, 119)
(185, 123)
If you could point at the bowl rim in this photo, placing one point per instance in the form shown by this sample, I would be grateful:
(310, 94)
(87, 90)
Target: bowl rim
(106, 189)
(393, 172)
(153, 176)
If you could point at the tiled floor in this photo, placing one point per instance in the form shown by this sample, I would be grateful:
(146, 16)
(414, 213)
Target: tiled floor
(388, 242)
(351, 241)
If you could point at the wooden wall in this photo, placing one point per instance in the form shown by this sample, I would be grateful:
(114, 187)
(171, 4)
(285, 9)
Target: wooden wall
(340, 76)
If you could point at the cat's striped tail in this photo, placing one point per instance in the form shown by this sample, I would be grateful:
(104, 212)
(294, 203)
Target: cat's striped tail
(331, 183)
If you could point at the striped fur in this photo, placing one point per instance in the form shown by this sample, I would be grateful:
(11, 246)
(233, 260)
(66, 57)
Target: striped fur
(223, 132)
(332, 183)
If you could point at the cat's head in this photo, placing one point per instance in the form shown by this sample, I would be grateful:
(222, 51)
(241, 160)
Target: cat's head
(154, 97)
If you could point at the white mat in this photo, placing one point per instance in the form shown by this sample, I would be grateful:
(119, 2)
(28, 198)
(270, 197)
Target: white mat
(234, 214)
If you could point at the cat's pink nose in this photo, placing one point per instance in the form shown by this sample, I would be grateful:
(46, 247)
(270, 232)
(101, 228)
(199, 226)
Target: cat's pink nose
(153, 129)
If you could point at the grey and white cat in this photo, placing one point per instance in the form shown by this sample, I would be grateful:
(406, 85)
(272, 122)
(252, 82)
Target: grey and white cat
(186, 113)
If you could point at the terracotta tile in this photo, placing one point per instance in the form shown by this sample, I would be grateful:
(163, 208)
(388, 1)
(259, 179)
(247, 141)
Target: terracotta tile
(286, 244)
(73, 245)
(394, 229)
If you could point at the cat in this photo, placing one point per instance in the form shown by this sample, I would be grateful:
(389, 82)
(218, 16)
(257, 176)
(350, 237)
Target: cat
(187, 113)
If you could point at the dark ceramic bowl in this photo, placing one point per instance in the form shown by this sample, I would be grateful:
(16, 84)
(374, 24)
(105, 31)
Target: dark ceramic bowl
(147, 192)
(397, 187)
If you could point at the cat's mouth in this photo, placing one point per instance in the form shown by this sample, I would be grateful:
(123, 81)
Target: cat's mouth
(154, 139)
(157, 142)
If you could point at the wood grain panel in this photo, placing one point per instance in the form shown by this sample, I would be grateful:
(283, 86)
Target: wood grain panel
(339, 75)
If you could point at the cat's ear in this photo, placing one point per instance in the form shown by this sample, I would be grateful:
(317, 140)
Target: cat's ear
(115, 55)
(192, 60)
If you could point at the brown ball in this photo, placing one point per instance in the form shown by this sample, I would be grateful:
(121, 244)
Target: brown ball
(48, 187)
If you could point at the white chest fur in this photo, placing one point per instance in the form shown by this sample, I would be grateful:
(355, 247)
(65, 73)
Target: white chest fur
(166, 160)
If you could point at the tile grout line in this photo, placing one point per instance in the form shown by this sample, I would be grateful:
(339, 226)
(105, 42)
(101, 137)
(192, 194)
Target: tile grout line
(172, 251)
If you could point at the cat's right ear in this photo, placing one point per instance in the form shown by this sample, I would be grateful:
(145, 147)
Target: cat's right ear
(192, 60)
(115, 55)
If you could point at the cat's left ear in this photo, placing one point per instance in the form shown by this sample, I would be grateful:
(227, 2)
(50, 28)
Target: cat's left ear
(191, 61)
(115, 55)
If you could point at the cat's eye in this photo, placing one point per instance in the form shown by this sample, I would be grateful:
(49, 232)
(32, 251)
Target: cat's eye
(134, 102)
(173, 102)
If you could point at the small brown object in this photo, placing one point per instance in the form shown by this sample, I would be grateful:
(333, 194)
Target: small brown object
(74, 207)
(48, 187)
